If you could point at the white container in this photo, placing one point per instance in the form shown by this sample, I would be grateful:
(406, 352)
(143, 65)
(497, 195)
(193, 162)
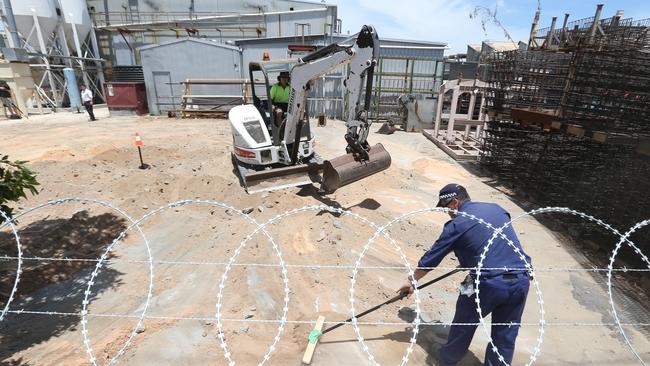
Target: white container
(46, 15)
(75, 12)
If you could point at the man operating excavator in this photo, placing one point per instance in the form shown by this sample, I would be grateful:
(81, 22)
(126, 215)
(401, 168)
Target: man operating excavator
(280, 93)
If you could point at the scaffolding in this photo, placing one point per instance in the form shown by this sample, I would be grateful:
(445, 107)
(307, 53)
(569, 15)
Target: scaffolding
(570, 118)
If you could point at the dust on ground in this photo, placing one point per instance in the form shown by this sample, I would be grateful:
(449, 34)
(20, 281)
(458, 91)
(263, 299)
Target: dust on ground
(190, 159)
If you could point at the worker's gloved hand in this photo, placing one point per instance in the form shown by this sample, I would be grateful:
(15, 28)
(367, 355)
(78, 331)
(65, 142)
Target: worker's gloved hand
(406, 289)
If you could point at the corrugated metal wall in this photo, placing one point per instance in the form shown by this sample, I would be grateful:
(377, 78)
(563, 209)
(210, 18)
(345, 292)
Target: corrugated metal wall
(397, 75)
(328, 95)
(401, 70)
(165, 67)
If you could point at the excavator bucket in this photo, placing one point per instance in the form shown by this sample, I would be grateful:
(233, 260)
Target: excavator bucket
(344, 169)
(388, 128)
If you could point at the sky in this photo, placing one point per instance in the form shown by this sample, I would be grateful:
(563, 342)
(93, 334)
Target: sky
(449, 20)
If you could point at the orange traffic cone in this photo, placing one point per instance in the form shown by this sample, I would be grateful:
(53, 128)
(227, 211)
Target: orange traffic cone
(139, 144)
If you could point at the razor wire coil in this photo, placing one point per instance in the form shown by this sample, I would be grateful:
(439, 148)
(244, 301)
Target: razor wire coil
(380, 230)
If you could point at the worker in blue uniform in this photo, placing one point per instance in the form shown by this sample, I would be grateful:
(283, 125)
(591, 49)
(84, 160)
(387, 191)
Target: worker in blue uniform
(502, 292)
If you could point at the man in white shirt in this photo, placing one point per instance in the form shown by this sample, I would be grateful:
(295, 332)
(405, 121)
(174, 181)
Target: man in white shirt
(87, 100)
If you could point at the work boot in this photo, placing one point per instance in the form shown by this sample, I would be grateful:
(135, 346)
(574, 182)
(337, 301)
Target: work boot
(434, 354)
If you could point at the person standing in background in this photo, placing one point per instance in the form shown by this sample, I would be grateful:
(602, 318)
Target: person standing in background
(87, 100)
(7, 101)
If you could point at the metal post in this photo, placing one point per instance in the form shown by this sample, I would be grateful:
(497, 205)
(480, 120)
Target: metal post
(594, 25)
(98, 64)
(533, 30)
(549, 36)
(142, 166)
(563, 33)
(411, 77)
(64, 46)
(109, 36)
(43, 48)
(77, 45)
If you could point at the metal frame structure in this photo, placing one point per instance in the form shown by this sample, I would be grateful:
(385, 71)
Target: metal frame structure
(571, 118)
(53, 55)
(460, 103)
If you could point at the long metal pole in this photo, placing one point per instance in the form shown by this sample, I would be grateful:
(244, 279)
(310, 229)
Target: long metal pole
(98, 64)
(77, 45)
(64, 46)
(594, 25)
(41, 44)
(394, 299)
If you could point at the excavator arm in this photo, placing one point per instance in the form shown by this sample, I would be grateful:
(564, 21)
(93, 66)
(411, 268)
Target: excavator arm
(362, 57)
(361, 159)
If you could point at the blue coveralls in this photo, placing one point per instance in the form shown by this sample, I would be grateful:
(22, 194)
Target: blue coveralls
(503, 294)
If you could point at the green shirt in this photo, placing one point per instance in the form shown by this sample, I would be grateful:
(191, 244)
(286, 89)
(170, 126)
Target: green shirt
(280, 94)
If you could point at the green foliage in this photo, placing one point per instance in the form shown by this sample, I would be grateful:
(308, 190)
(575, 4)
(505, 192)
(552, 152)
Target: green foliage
(15, 180)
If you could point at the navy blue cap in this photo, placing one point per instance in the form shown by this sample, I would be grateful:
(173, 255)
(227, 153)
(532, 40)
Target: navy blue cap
(449, 192)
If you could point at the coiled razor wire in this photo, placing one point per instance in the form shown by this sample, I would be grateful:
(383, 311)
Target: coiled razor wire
(285, 279)
(283, 266)
(416, 292)
(87, 293)
(340, 211)
(84, 311)
(538, 293)
(19, 268)
(417, 300)
(625, 238)
(601, 223)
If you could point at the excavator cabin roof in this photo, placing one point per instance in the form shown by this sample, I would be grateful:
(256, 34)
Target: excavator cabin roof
(273, 65)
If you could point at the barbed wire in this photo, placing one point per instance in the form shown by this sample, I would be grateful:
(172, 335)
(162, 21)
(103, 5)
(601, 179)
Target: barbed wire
(623, 239)
(19, 268)
(87, 293)
(309, 322)
(284, 267)
(319, 266)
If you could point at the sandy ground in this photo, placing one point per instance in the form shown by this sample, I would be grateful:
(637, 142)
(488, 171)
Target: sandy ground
(190, 159)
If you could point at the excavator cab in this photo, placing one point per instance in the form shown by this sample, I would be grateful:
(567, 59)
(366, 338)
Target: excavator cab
(263, 75)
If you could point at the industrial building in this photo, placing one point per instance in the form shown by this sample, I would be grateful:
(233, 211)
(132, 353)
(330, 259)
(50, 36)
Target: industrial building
(122, 29)
(165, 43)
(261, 184)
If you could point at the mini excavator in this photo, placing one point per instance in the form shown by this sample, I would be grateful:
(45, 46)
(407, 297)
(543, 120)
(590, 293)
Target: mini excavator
(276, 150)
